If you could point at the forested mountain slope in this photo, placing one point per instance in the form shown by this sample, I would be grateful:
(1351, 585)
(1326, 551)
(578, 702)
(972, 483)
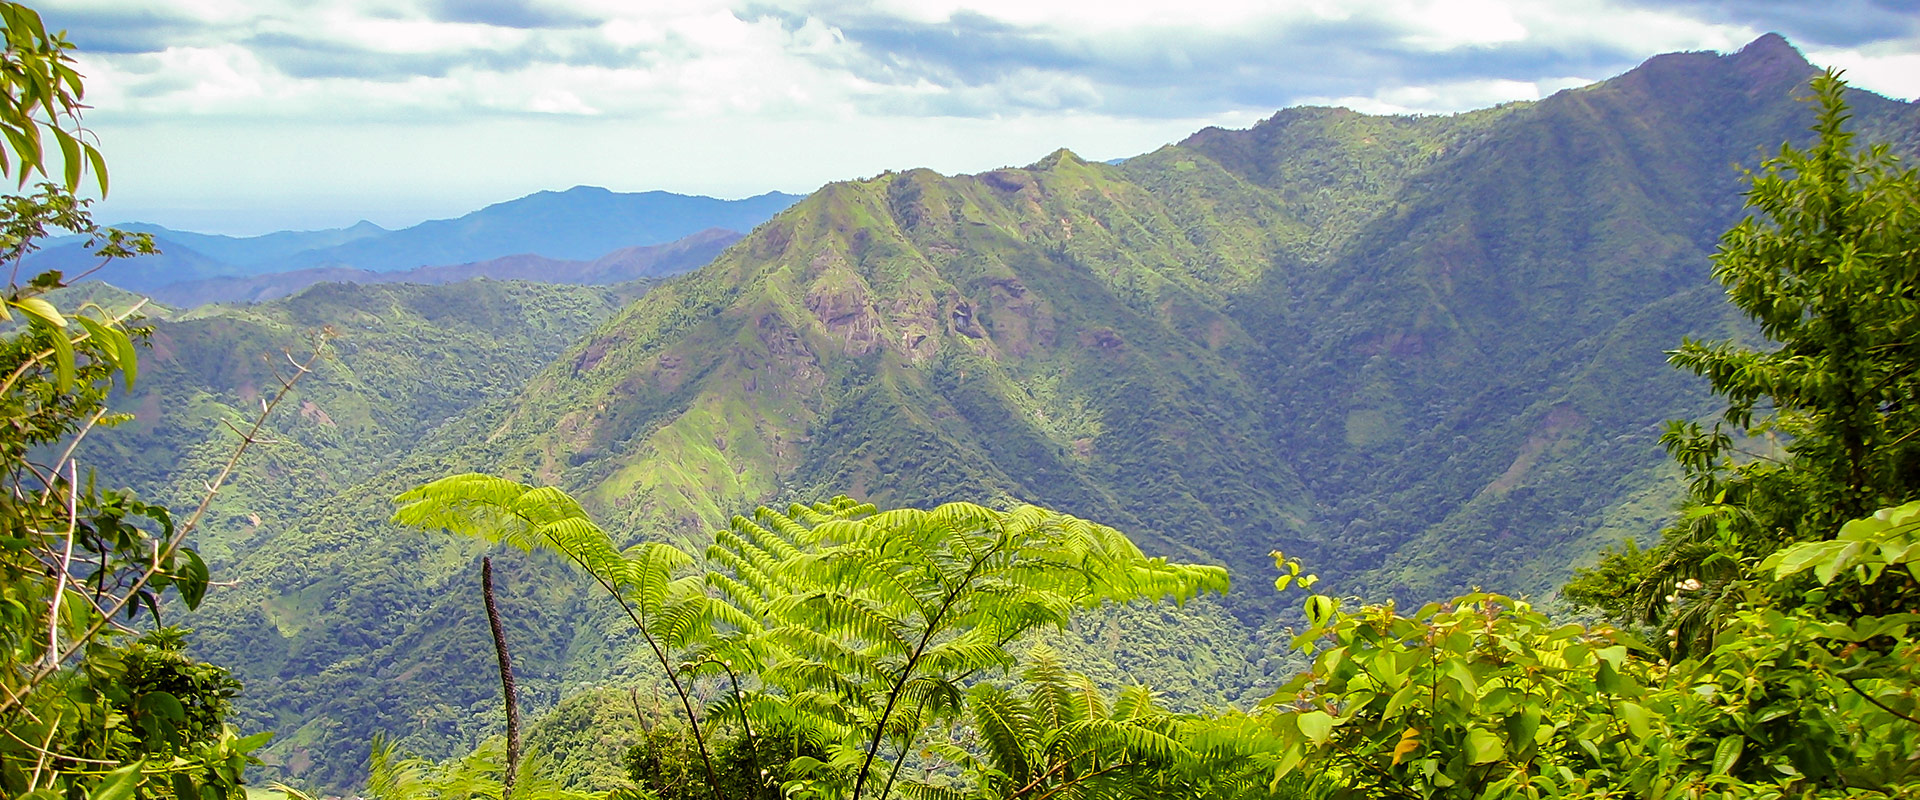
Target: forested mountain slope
(1402, 347)
(1481, 362)
(403, 360)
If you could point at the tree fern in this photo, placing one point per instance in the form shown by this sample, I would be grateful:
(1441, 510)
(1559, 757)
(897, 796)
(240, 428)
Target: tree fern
(891, 612)
(477, 776)
(853, 628)
(670, 614)
(1058, 739)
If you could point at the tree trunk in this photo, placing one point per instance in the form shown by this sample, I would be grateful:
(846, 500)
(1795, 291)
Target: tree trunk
(506, 678)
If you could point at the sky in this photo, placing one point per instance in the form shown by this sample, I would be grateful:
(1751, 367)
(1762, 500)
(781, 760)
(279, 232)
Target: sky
(247, 116)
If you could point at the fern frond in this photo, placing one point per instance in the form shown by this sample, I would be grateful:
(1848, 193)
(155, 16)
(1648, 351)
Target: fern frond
(1006, 730)
(914, 790)
(1136, 702)
(843, 616)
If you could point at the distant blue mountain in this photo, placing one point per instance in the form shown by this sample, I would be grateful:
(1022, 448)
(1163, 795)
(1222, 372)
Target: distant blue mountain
(619, 266)
(579, 224)
(265, 249)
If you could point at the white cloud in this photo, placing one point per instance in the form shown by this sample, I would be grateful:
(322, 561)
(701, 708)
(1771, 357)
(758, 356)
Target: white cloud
(704, 58)
(1449, 24)
(832, 87)
(1448, 97)
(1892, 69)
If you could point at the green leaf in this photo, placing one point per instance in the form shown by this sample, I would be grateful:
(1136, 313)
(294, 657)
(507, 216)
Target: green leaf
(99, 164)
(43, 313)
(119, 784)
(1826, 570)
(248, 744)
(1483, 746)
(1615, 655)
(118, 346)
(1802, 556)
(1523, 727)
(1319, 609)
(1463, 675)
(1607, 679)
(1728, 754)
(165, 705)
(192, 578)
(40, 309)
(1289, 759)
(62, 359)
(1400, 699)
(70, 157)
(1639, 721)
(1316, 725)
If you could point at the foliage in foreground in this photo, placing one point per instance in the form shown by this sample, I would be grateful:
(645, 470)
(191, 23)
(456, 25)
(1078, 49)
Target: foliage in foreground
(1819, 424)
(1486, 697)
(96, 700)
(1481, 697)
(853, 628)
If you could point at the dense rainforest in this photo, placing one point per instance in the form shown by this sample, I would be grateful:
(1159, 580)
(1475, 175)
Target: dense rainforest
(1011, 438)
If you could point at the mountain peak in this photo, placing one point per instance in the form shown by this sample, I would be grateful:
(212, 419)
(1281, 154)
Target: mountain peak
(1770, 45)
(1058, 158)
(1769, 61)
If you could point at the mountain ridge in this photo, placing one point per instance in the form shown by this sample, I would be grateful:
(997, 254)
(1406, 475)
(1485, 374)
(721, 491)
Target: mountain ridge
(619, 266)
(579, 224)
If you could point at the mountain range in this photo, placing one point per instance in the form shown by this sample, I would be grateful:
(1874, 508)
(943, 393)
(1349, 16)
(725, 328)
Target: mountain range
(1418, 352)
(620, 266)
(584, 223)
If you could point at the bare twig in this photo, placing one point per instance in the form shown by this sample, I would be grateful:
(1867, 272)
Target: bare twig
(68, 453)
(62, 756)
(45, 754)
(66, 564)
(89, 271)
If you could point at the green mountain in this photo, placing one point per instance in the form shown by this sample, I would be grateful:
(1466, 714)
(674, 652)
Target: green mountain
(396, 370)
(1417, 351)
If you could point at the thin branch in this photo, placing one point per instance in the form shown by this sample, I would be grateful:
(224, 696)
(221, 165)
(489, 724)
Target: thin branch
(69, 281)
(77, 437)
(659, 655)
(66, 565)
(78, 759)
(44, 755)
(1876, 701)
(906, 671)
(753, 743)
(173, 544)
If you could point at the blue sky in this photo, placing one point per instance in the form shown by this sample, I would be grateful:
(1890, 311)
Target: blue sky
(244, 116)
